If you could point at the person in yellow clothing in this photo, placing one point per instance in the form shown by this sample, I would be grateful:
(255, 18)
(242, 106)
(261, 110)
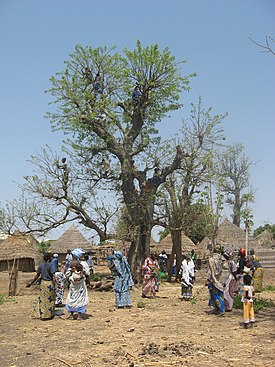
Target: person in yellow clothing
(247, 299)
(257, 273)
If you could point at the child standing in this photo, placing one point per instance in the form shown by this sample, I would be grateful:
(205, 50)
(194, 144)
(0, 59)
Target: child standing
(247, 299)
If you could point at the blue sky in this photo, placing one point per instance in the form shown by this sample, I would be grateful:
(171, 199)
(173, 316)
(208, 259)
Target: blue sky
(212, 35)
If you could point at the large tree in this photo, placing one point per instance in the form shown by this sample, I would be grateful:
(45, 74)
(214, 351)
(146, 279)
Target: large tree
(110, 104)
(60, 192)
(233, 167)
(201, 136)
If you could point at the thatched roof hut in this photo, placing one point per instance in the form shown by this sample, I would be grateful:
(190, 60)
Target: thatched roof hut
(203, 248)
(19, 250)
(264, 240)
(229, 236)
(166, 244)
(71, 239)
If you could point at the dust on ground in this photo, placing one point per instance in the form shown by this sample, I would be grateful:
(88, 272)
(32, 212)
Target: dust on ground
(166, 332)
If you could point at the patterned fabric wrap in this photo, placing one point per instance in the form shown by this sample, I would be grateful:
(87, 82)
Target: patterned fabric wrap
(59, 286)
(216, 299)
(215, 274)
(258, 279)
(77, 298)
(78, 252)
(149, 269)
(123, 281)
(228, 293)
(162, 263)
(46, 300)
(229, 283)
(148, 287)
(186, 292)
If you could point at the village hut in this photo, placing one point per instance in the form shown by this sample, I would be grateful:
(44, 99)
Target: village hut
(204, 248)
(166, 244)
(232, 237)
(264, 248)
(71, 239)
(19, 251)
(264, 240)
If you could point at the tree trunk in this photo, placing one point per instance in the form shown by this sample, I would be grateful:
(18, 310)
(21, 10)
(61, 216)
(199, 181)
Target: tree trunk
(176, 250)
(139, 250)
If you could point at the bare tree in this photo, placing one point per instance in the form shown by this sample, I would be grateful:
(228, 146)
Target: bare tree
(233, 167)
(58, 193)
(201, 135)
(265, 47)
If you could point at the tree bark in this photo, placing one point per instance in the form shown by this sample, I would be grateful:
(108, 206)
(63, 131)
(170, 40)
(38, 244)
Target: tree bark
(176, 250)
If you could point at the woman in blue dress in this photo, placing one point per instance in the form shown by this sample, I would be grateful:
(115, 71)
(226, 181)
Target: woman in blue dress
(123, 279)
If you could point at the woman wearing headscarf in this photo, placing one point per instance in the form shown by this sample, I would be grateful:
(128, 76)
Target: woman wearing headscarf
(257, 273)
(123, 279)
(149, 276)
(229, 271)
(46, 298)
(77, 298)
(215, 284)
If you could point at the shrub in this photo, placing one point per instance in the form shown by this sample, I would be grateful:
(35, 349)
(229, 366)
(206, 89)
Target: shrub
(95, 277)
(259, 303)
(141, 303)
(4, 298)
(270, 288)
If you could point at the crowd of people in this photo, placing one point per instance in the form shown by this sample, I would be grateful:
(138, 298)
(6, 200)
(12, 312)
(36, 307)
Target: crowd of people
(53, 278)
(224, 279)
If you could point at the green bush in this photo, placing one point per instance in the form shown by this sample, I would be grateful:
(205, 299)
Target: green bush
(95, 277)
(4, 298)
(270, 288)
(141, 303)
(259, 303)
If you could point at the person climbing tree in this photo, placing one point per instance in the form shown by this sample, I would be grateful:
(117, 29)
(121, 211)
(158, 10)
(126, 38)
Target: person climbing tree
(136, 94)
(97, 85)
(88, 75)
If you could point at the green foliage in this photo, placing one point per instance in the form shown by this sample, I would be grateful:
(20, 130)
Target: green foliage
(162, 234)
(269, 288)
(202, 225)
(268, 227)
(4, 298)
(43, 246)
(88, 115)
(258, 303)
(96, 277)
(141, 303)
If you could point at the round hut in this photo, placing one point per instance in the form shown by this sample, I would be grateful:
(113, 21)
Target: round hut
(71, 239)
(166, 244)
(18, 251)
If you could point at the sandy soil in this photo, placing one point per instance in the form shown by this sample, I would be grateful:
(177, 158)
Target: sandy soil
(167, 332)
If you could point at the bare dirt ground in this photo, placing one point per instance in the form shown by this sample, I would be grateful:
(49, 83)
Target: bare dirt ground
(167, 332)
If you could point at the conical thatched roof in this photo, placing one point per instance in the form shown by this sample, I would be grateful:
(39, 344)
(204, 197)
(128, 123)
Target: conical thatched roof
(18, 246)
(202, 248)
(231, 235)
(166, 244)
(264, 240)
(72, 238)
